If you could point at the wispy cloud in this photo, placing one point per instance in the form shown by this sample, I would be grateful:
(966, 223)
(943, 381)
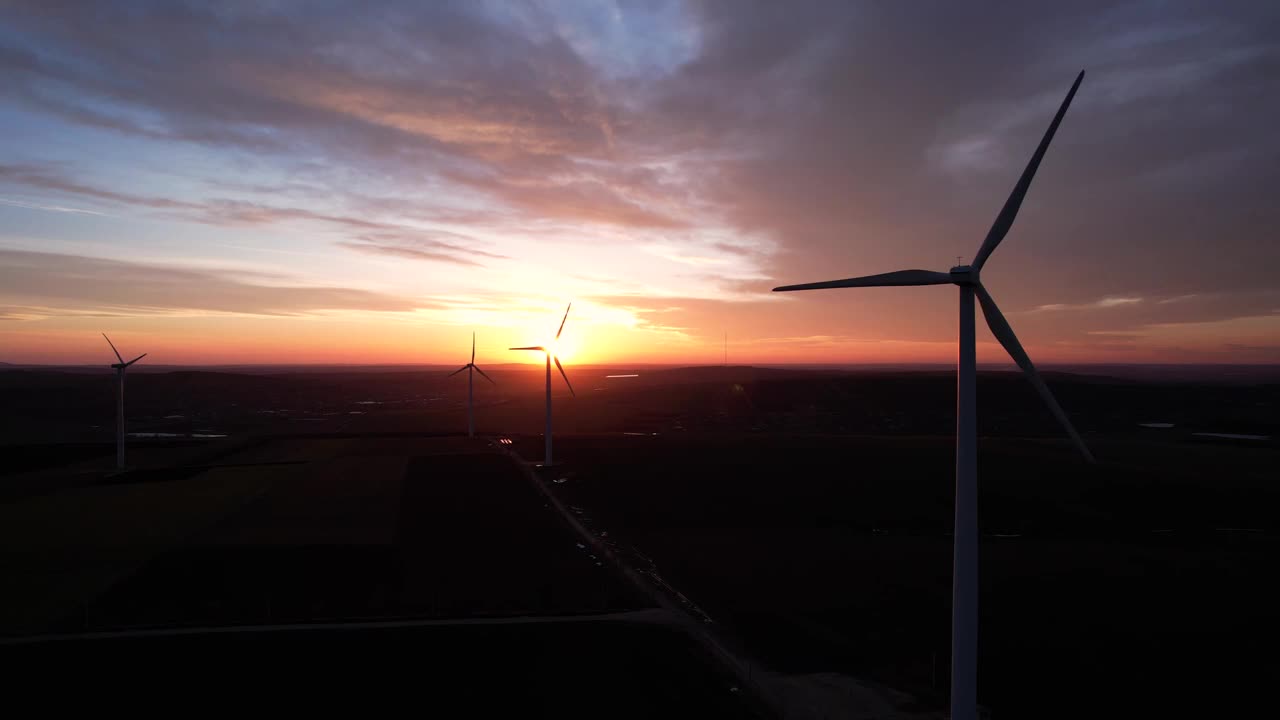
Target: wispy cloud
(1100, 304)
(378, 237)
(49, 208)
(436, 246)
(407, 253)
(48, 284)
(674, 255)
(50, 178)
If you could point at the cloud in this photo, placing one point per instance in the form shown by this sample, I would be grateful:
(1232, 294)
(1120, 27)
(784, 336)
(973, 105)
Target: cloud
(47, 284)
(1099, 304)
(428, 245)
(583, 199)
(407, 253)
(48, 208)
(674, 255)
(444, 88)
(46, 178)
(1110, 302)
(379, 237)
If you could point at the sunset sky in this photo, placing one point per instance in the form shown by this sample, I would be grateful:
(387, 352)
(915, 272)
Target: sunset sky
(336, 182)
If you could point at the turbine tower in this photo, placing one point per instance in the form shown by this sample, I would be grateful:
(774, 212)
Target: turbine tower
(964, 589)
(471, 397)
(120, 367)
(550, 353)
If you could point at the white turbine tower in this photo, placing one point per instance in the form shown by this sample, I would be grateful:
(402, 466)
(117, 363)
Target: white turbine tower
(120, 367)
(550, 353)
(471, 398)
(964, 600)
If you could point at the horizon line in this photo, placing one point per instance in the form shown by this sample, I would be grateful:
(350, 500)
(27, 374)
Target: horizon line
(4, 364)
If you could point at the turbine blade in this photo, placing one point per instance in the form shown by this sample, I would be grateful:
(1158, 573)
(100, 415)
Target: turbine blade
(1004, 220)
(473, 347)
(455, 372)
(566, 377)
(535, 347)
(113, 348)
(486, 377)
(889, 279)
(135, 360)
(566, 317)
(1000, 328)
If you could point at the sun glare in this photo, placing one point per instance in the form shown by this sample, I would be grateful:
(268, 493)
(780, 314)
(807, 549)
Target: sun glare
(564, 348)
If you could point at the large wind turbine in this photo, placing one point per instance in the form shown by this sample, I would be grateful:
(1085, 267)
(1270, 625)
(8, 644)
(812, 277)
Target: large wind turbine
(964, 589)
(471, 398)
(120, 367)
(550, 353)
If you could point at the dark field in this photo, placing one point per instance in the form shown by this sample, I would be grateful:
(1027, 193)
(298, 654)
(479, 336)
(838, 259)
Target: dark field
(495, 605)
(373, 535)
(806, 512)
(560, 668)
(1102, 587)
(311, 529)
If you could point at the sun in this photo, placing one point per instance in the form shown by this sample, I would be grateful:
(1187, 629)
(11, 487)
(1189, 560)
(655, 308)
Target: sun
(564, 348)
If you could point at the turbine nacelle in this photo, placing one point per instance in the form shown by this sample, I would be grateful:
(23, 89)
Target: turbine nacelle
(964, 275)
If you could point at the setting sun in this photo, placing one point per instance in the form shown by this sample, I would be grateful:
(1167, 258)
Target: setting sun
(565, 348)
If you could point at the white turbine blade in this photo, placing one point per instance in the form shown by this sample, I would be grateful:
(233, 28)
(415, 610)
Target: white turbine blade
(566, 317)
(1000, 328)
(889, 279)
(113, 348)
(566, 377)
(535, 347)
(1004, 220)
(473, 348)
(455, 372)
(486, 377)
(135, 360)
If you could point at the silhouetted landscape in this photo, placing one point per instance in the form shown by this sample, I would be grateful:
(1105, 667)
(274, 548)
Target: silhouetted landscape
(799, 511)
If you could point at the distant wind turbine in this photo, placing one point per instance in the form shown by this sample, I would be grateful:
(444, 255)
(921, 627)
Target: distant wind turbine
(120, 367)
(964, 589)
(552, 356)
(471, 399)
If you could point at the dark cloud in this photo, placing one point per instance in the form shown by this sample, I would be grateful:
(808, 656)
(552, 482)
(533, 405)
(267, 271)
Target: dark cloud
(44, 284)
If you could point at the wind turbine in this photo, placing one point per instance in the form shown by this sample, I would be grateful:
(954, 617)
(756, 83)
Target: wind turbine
(964, 588)
(552, 356)
(120, 367)
(471, 398)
